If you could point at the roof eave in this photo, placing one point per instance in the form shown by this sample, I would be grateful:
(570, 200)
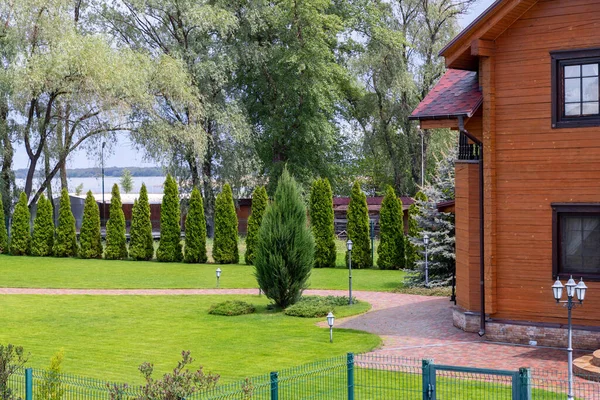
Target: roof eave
(447, 116)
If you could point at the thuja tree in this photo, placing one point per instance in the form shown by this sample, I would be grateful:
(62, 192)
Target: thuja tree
(43, 229)
(65, 244)
(285, 248)
(141, 243)
(195, 230)
(3, 231)
(20, 232)
(321, 221)
(225, 247)
(90, 240)
(358, 228)
(116, 245)
(391, 232)
(413, 254)
(169, 248)
(260, 199)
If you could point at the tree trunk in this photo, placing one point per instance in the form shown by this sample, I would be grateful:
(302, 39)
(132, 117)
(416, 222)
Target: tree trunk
(6, 174)
(207, 186)
(47, 171)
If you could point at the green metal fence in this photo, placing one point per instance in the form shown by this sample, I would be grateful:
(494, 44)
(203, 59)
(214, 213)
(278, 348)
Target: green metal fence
(350, 377)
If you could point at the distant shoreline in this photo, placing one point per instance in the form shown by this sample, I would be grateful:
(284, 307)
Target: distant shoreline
(97, 172)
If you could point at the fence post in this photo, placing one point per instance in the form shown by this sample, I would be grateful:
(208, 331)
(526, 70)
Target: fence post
(525, 383)
(28, 384)
(350, 362)
(274, 386)
(428, 374)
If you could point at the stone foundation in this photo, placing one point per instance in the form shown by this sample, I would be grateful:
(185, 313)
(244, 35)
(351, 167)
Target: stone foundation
(467, 321)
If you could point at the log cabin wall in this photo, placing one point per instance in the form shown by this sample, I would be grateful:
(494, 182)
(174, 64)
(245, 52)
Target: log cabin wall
(536, 165)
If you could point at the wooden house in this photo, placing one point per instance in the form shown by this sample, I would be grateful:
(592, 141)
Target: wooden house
(522, 87)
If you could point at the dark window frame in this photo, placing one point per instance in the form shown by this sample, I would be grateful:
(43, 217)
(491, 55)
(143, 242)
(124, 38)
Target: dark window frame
(572, 209)
(560, 59)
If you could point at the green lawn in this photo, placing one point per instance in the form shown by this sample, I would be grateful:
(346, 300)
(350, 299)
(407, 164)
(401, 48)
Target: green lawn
(49, 272)
(107, 337)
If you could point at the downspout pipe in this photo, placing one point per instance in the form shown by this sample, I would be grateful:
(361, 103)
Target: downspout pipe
(479, 143)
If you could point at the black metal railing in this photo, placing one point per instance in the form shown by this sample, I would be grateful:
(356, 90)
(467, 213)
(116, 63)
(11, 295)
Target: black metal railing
(467, 150)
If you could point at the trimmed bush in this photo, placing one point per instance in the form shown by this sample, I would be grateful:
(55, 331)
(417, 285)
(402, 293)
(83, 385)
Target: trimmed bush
(20, 231)
(412, 251)
(232, 307)
(260, 199)
(321, 221)
(116, 244)
(65, 244)
(225, 245)
(90, 240)
(195, 230)
(42, 242)
(391, 230)
(358, 229)
(317, 306)
(141, 243)
(285, 249)
(169, 248)
(3, 231)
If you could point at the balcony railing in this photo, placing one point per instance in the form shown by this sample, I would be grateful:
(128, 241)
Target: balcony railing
(467, 150)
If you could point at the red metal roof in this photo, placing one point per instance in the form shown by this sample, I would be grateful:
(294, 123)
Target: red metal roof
(456, 94)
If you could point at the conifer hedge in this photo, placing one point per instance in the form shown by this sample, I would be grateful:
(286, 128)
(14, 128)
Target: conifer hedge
(20, 232)
(260, 200)
(141, 243)
(412, 251)
(195, 230)
(90, 239)
(169, 248)
(321, 220)
(391, 232)
(42, 242)
(285, 247)
(225, 245)
(65, 244)
(116, 244)
(3, 231)
(358, 228)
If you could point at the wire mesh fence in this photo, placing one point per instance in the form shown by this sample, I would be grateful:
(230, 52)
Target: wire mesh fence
(386, 377)
(550, 385)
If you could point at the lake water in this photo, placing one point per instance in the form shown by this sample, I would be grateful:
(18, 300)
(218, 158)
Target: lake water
(154, 184)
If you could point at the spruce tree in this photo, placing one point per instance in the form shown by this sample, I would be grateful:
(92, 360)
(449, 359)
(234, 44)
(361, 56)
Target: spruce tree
(285, 247)
(90, 239)
(20, 232)
(65, 244)
(116, 243)
(225, 244)
(3, 231)
(141, 243)
(195, 230)
(260, 200)
(42, 242)
(358, 228)
(413, 254)
(391, 232)
(321, 221)
(169, 248)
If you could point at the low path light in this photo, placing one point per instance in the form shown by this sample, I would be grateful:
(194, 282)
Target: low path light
(330, 321)
(218, 275)
(349, 247)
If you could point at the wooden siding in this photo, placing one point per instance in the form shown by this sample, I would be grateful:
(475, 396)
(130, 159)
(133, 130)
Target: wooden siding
(532, 165)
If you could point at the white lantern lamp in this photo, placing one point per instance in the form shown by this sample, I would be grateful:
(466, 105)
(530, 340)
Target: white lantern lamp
(580, 290)
(557, 288)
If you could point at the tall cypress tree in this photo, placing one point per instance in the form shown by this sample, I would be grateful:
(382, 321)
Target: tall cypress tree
(321, 220)
(413, 253)
(141, 243)
(225, 245)
(358, 228)
(65, 244)
(90, 239)
(169, 248)
(260, 200)
(20, 231)
(195, 230)
(3, 231)
(42, 242)
(391, 229)
(116, 243)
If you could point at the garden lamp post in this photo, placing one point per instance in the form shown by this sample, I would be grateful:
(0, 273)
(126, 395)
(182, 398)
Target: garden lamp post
(349, 247)
(426, 243)
(103, 203)
(218, 275)
(572, 290)
(330, 320)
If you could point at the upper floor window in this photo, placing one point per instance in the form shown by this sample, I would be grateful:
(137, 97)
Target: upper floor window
(575, 88)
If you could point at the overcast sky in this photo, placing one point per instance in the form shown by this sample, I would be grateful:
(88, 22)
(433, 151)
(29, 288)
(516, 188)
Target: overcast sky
(123, 154)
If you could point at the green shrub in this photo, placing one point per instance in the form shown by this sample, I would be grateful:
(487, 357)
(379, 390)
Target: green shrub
(321, 221)
(260, 199)
(317, 306)
(232, 307)
(141, 243)
(51, 387)
(3, 231)
(90, 239)
(391, 227)
(20, 231)
(412, 251)
(65, 244)
(116, 243)
(285, 250)
(12, 360)
(195, 230)
(358, 228)
(225, 245)
(169, 248)
(42, 242)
